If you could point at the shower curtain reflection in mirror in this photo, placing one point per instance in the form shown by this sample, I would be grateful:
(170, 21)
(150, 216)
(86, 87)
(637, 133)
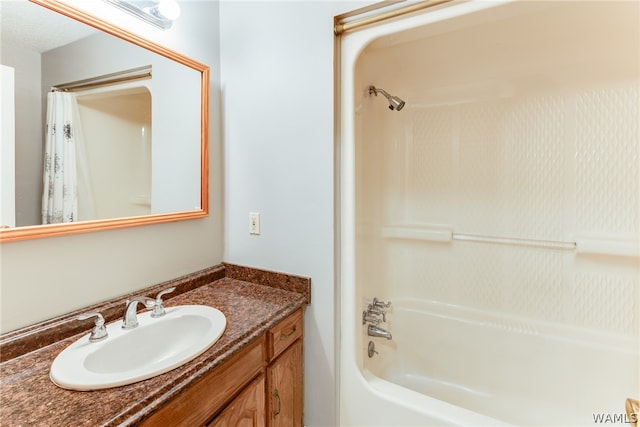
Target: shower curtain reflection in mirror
(64, 159)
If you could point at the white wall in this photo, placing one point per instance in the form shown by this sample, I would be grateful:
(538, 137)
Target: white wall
(277, 91)
(28, 157)
(7, 147)
(47, 277)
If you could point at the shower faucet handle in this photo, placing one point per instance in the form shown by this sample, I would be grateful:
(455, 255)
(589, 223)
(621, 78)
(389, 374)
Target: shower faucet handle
(366, 317)
(376, 311)
(380, 304)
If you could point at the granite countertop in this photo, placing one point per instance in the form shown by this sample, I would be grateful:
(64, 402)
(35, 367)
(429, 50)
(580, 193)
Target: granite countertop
(29, 398)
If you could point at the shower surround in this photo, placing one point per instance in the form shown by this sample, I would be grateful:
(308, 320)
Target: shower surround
(498, 211)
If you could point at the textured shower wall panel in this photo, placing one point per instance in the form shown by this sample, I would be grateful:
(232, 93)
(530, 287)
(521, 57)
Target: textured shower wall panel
(524, 169)
(505, 161)
(371, 207)
(607, 158)
(508, 135)
(431, 167)
(534, 168)
(481, 169)
(428, 267)
(606, 302)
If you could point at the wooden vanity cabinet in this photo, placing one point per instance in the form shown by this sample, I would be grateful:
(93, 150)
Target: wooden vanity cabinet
(197, 404)
(284, 386)
(246, 410)
(284, 373)
(261, 386)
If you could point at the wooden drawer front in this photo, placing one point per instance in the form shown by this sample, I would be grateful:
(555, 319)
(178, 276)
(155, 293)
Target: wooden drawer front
(284, 334)
(196, 405)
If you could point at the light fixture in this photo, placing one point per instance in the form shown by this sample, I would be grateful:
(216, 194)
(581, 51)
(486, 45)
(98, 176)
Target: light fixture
(159, 13)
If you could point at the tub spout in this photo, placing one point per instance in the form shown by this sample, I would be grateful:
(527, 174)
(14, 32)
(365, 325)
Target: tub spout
(375, 331)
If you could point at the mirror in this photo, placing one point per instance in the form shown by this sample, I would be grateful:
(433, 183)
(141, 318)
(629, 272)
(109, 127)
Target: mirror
(161, 174)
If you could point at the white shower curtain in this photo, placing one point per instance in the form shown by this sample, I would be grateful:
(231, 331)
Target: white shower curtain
(62, 158)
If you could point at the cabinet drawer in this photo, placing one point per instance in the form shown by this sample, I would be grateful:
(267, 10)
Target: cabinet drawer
(284, 334)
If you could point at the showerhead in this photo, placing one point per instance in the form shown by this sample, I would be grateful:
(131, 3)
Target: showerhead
(395, 103)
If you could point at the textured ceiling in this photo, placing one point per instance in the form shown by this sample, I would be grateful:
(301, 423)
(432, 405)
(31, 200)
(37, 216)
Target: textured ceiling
(31, 26)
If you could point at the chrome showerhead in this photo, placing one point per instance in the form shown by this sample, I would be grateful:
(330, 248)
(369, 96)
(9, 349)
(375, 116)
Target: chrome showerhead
(395, 103)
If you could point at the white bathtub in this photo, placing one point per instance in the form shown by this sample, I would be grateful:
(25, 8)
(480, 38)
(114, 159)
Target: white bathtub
(501, 367)
(470, 209)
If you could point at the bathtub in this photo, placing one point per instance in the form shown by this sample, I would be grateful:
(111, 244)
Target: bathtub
(482, 212)
(448, 355)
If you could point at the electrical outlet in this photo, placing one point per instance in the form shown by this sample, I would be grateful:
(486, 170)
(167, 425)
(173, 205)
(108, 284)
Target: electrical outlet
(254, 223)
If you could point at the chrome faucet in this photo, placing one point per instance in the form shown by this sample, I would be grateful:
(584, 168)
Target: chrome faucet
(375, 331)
(376, 308)
(130, 319)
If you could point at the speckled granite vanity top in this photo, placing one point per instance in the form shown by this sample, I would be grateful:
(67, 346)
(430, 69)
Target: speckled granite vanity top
(252, 300)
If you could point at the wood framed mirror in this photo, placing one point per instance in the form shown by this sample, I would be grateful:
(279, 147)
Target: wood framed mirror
(177, 152)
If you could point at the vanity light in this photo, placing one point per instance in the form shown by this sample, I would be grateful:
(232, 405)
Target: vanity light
(159, 13)
(169, 9)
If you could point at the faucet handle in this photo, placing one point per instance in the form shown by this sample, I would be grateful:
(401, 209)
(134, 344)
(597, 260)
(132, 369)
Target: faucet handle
(158, 308)
(381, 304)
(99, 331)
(376, 311)
(366, 317)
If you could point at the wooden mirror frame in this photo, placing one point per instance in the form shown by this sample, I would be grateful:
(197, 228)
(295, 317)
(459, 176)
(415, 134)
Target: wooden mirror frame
(50, 230)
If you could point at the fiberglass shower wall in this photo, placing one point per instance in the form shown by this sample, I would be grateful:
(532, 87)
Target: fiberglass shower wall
(116, 124)
(518, 126)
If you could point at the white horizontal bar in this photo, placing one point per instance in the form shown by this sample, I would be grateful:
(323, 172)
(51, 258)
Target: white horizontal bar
(431, 234)
(603, 245)
(608, 246)
(445, 234)
(547, 244)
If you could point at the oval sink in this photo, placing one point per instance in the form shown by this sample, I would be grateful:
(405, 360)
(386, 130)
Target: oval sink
(127, 356)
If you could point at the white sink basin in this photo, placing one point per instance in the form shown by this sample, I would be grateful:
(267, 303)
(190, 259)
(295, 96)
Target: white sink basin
(127, 356)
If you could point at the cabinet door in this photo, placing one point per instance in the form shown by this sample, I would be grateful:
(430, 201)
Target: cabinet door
(284, 388)
(246, 410)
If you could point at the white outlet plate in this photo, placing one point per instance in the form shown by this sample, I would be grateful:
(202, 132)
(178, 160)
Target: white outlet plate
(254, 223)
